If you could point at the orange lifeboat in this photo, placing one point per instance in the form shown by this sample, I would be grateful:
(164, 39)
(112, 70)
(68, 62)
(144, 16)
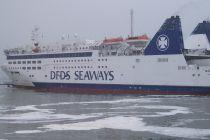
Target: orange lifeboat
(142, 37)
(113, 40)
(36, 50)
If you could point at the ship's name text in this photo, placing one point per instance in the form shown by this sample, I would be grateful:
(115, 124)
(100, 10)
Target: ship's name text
(82, 75)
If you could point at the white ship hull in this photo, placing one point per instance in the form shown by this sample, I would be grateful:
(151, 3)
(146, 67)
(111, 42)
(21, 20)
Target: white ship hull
(162, 69)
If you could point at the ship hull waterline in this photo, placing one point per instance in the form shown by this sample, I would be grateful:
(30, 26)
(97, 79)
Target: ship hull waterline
(117, 89)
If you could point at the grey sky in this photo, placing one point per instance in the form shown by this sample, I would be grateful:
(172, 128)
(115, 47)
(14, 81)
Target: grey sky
(92, 19)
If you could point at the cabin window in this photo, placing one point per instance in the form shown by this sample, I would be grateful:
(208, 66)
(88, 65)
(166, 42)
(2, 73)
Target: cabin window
(137, 60)
(39, 68)
(162, 60)
(181, 67)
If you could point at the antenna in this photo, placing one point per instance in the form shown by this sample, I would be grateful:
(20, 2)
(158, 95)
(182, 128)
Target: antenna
(131, 14)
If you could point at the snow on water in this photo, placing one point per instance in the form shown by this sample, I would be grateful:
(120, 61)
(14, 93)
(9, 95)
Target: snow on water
(170, 110)
(28, 131)
(132, 124)
(141, 100)
(32, 114)
(117, 112)
(35, 114)
(40, 117)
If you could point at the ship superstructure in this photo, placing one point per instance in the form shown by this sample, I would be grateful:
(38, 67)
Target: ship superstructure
(115, 65)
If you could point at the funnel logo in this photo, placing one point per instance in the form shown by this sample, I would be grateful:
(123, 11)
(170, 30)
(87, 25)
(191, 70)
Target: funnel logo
(162, 43)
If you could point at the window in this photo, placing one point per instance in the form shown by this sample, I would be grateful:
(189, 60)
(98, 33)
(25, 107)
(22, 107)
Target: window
(9, 62)
(19, 62)
(28, 68)
(39, 68)
(33, 68)
(24, 62)
(28, 62)
(181, 67)
(137, 60)
(39, 61)
(162, 60)
(14, 62)
(33, 62)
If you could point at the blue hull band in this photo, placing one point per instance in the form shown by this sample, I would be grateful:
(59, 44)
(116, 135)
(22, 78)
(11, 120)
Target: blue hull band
(123, 88)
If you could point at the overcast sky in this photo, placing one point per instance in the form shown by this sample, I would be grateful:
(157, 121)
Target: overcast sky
(92, 19)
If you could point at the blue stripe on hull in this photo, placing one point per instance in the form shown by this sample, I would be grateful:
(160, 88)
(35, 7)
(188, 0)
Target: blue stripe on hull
(115, 88)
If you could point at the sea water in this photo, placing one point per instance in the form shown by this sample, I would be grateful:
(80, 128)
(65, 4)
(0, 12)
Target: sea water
(27, 114)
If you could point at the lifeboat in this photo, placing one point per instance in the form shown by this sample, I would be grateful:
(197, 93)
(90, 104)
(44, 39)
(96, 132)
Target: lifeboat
(113, 40)
(36, 50)
(141, 38)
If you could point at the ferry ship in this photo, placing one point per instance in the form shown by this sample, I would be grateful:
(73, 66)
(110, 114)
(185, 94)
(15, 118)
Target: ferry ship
(162, 65)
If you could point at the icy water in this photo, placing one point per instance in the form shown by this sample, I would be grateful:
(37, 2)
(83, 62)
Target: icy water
(29, 115)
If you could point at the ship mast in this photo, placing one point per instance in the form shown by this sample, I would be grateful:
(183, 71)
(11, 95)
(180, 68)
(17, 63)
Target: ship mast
(35, 36)
(131, 14)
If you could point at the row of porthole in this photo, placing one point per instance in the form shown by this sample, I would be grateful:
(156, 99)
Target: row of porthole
(102, 59)
(79, 60)
(24, 62)
(195, 75)
(72, 67)
(102, 67)
(31, 75)
(81, 48)
(24, 68)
